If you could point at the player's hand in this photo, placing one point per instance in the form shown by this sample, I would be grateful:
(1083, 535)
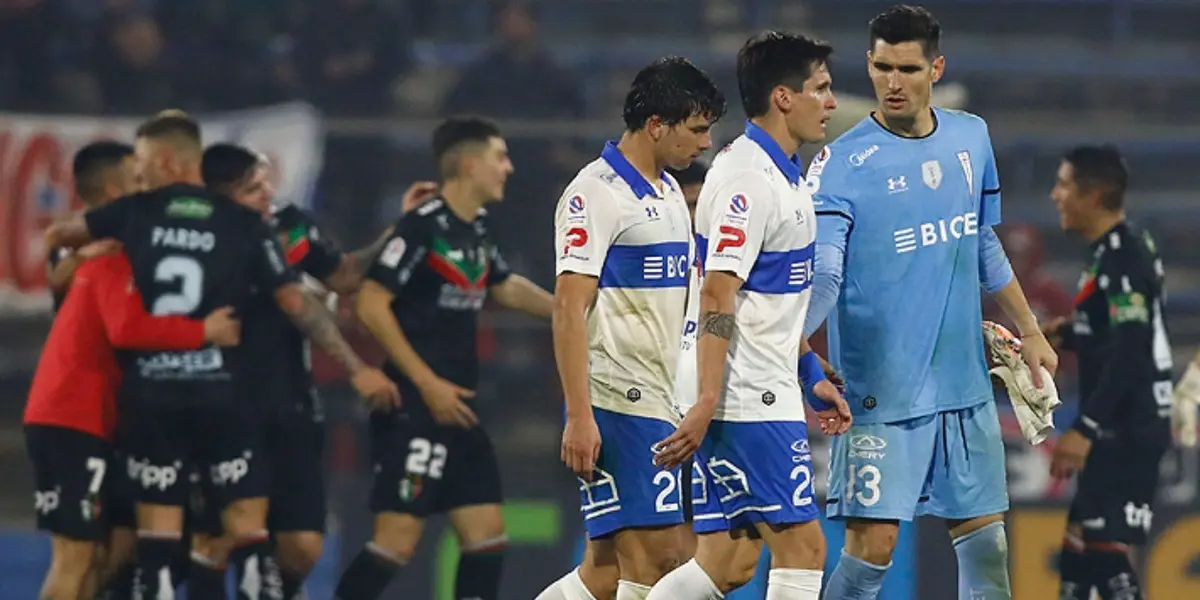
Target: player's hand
(445, 401)
(378, 390)
(581, 446)
(98, 248)
(836, 420)
(1036, 352)
(417, 194)
(680, 445)
(1070, 453)
(1052, 332)
(832, 375)
(222, 328)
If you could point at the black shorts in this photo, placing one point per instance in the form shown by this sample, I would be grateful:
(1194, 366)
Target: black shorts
(1115, 495)
(295, 443)
(166, 443)
(122, 505)
(73, 472)
(422, 468)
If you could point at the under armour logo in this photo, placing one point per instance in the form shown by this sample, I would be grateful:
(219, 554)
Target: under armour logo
(897, 184)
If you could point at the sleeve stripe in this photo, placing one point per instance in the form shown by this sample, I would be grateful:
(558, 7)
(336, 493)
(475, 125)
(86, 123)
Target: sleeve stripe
(991, 192)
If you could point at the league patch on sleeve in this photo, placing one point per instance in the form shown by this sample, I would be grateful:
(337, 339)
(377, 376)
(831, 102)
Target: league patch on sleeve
(393, 252)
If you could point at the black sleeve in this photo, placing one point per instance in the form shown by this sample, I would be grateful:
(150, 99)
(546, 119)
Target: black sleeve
(498, 270)
(1128, 287)
(269, 270)
(111, 220)
(1066, 333)
(403, 252)
(308, 250)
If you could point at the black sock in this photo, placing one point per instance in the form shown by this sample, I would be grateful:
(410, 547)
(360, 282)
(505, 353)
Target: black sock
(367, 576)
(1113, 573)
(256, 569)
(120, 587)
(152, 576)
(1074, 572)
(205, 579)
(479, 574)
(293, 585)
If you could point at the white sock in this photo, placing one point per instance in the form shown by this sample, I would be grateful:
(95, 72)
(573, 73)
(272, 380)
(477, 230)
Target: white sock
(793, 584)
(688, 582)
(570, 587)
(628, 590)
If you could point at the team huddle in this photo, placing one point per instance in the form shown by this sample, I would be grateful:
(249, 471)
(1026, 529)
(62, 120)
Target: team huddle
(174, 427)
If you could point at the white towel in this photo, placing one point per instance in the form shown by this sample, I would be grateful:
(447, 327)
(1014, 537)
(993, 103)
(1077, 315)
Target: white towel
(1183, 408)
(1034, 407)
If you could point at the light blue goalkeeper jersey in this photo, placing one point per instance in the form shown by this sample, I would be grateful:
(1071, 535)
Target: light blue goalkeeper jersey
(910, 220)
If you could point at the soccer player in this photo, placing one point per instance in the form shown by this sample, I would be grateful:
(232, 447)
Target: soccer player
(1123, 428)
(906, 201)
(193, 251)
(293, 416)
(72, 410)
(421, 300)
(755, 233)
(623, 237)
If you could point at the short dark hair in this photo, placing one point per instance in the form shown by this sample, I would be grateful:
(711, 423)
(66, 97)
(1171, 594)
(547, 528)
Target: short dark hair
(1100, 168)
(171, 123)
(675, 90)
(771, 59)
(92, 162)
(226, 165)
(692, 175)
(454, 133)
(905, 23)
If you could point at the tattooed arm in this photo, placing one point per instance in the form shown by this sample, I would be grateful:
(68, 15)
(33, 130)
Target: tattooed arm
(312, 318)
(717, 326)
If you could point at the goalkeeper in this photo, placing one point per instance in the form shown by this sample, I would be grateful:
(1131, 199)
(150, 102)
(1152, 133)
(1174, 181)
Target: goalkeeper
(1124, 375)
(905, 205)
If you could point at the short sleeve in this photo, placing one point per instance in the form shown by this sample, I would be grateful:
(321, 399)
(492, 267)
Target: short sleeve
(308, 250)
(586, 223)
(402, 254)
(736, 214)
(269, 269)
(498, 269)
(111, 220)
(826, 181)
(990, 202)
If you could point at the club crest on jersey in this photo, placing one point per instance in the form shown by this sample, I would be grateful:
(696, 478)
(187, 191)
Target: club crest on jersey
(931, 174)
(393, 252)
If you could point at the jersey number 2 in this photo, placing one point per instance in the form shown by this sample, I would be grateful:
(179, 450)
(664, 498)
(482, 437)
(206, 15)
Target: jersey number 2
(189, 274)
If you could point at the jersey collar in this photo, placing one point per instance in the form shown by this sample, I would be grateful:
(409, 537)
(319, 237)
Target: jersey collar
(641, 188)
(788, 165)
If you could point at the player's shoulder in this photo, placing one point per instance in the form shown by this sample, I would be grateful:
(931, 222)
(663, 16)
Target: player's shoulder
(1127, 247)
(422, 219)
(847, 153)
(288, 214)
(594, 182)
(961, 122)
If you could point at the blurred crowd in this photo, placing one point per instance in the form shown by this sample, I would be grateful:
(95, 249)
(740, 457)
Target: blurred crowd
(348, 57)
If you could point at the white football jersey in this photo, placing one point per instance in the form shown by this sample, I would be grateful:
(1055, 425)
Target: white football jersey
(755, 219)
(686, 381)
(635, 237)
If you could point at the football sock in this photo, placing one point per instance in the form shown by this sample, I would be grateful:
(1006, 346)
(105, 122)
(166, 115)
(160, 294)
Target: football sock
(628, 590)
(205, 578)
(855, 579)
(794, 584)
(688, 581)
(155, 553)
(1074, 574)
(983, 563)
(256, 570)
(479, 569)
(368, 574)
(1112, 572)
(569, 587)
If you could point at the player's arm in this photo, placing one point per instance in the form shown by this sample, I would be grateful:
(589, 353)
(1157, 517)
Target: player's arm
(107, 221)
(514, 291)
(586, 222)
(832, 202)
(1128, 291)
(63, 264)
(128, 325)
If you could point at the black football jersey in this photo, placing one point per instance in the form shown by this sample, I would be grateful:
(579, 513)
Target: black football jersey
(1120, 335)
(283, 355)
(192, 252)
(440, 268)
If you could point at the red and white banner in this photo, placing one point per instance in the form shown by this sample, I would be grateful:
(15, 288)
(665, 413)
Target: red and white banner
(36, 185)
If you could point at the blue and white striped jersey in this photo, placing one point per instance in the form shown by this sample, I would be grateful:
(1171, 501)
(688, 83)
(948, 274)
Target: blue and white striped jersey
(635, 237)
